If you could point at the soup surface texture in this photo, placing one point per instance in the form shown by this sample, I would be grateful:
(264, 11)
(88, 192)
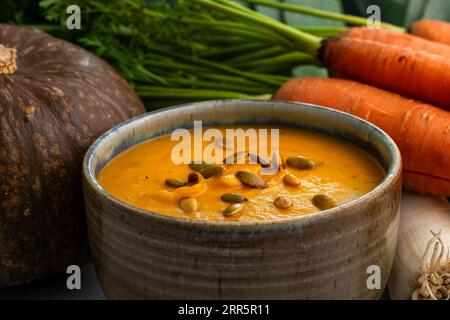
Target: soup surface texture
(342, 172)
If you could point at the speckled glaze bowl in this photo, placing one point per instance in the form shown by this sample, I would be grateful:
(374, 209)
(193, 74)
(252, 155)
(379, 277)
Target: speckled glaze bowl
(326, 255)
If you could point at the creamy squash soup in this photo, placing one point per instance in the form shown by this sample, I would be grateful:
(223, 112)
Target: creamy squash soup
(308, 172)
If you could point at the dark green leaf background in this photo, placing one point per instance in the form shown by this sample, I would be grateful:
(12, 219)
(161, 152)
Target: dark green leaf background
(402, 12)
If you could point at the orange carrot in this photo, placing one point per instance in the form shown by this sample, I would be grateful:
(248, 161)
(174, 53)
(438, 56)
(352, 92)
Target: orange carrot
(433, 30)
(399, 39)
(417, 74)
(421, 131)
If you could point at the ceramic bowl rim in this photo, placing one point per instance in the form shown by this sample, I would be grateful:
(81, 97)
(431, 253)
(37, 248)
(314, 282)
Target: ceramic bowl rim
(392, 175)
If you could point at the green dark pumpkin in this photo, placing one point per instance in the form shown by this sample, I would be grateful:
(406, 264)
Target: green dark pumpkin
(55, 99)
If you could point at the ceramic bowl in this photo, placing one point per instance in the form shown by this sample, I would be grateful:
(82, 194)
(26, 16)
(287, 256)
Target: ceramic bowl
(342, 253)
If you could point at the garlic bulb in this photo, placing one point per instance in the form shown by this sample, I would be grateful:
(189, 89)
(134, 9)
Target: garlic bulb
(421, 267)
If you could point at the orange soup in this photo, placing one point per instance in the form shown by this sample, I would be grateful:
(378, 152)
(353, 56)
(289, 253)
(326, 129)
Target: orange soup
(316, 172)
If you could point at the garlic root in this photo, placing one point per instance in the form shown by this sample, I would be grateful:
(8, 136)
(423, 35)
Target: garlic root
(434, 282)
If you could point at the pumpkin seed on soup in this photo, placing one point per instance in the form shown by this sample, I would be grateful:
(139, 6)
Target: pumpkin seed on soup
(251, 179)
(234, 209)
(291, 180)
(301, 163)
(198, 166)
(324, 201)
(283, 202)
(212, 171)
(189, 204)
(175, 183)
(193, 178)
(233, 198)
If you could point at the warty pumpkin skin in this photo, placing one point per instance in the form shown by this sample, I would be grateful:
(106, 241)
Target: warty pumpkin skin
(55, 99)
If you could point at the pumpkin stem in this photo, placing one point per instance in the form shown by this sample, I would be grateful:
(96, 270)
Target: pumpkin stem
(8, 57)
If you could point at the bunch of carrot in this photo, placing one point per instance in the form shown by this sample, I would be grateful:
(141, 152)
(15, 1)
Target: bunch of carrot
(384, 69)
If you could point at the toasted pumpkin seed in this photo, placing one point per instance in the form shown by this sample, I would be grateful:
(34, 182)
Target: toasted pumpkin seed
(291, 180)
(198, 166)
(251, 179)
(175, 183)
(189, 204)
(234, 209)
(212, 171)
(300, 162)
(193, 178)
(324, 201)
(233, 198)
(283, 202)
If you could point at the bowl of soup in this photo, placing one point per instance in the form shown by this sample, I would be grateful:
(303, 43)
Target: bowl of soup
(243, 199)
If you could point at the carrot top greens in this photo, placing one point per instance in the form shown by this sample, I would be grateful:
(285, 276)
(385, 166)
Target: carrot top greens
(196, 49)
